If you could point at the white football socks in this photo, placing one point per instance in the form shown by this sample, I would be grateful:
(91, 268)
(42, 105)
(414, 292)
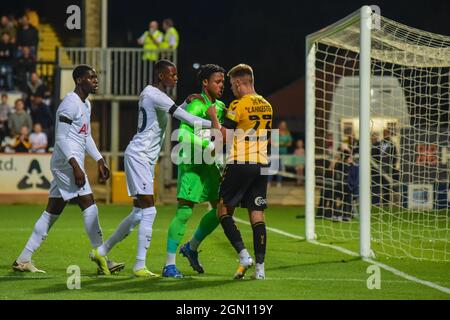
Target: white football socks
(122, 231)
(144, 236)
(40, 231)
(259, 271)
(170, 258)
(92, 226)
(259, 267)
(245, 258)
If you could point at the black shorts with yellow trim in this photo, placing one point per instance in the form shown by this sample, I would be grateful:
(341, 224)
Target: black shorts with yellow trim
(244, 185)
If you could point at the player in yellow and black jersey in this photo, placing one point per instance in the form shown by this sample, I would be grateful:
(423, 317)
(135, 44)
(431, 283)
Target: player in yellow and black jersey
(243, 183)
(251, 118)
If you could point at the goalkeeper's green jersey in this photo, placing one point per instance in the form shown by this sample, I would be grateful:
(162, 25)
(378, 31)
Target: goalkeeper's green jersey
(201, 136)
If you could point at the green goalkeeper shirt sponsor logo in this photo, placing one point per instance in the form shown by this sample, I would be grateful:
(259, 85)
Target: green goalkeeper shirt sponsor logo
(199, 137)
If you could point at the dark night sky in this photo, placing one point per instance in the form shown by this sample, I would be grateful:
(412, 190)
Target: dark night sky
(268, 35)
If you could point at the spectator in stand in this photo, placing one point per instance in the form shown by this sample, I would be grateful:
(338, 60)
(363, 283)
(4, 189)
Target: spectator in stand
(25, 65)
(151, 40)
(336, 197)
(33, 17)
(15, 24)
(7, 145)
(4, 115)
(4, 104)
(40, 113)
(27, 36)
(376, 170)
(7, 53)
(171, 38)
(36, 87)
(388, 158)
(327, 166)
(329, 146)
(6, 25)
(22, 143)
(20, 118)
(38, 139)
(285, 141)
(300, 161)
(353, 145)
(375, 139)
(342, 196)
(353, 186)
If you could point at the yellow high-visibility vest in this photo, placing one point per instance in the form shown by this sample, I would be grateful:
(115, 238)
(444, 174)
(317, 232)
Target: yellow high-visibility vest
(151, 46)
(172, 32)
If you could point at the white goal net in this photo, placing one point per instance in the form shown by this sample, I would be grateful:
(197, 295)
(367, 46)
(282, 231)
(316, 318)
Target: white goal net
(409, 137)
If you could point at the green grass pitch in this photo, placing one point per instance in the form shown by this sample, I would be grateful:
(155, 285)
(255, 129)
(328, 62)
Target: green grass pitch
(295, 269)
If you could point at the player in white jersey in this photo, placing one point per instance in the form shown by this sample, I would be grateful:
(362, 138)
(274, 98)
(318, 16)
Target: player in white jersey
(142, 155)
(72, 140)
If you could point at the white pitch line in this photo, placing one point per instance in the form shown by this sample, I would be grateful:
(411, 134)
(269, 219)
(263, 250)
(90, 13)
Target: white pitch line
(130, 277)
(69, 229)
(354, 254)
(409, 277)
(287, 234)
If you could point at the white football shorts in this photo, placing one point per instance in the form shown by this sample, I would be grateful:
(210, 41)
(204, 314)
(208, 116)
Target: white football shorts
(139, 174)
(63, 185)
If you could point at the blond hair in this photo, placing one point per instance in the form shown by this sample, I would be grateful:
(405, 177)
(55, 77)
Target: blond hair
(241, 70)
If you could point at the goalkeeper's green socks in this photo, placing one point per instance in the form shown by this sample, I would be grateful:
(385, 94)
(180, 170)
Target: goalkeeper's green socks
(176, 231)
(207, 225)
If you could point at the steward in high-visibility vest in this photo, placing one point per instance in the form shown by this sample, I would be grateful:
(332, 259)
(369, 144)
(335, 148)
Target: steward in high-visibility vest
(171, 36)
(151, 41)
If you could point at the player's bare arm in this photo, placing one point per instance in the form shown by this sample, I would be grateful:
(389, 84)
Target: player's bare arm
(78, 174)
(103, 170)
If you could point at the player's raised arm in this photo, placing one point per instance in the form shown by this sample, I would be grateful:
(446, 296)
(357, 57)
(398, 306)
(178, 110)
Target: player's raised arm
(183, 115)
(164, 103)
(195, 107)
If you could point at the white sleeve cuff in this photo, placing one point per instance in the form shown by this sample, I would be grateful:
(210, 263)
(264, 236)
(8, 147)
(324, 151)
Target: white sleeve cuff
(183, 105)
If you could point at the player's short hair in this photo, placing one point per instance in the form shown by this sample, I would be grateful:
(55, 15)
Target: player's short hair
(161, 66)
(80, 71)
(241, 70)
(207, 70)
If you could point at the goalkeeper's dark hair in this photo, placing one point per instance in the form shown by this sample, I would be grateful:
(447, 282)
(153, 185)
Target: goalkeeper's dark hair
(207, 70)
(80, 71)
(160, 67)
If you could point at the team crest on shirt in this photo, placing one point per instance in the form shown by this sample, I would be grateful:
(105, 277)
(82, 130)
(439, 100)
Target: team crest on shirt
(231, 115)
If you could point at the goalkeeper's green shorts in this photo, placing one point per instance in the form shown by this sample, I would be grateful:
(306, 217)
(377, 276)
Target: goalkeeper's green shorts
(198, 182)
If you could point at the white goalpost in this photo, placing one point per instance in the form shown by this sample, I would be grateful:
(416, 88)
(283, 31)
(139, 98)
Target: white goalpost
(377, 137)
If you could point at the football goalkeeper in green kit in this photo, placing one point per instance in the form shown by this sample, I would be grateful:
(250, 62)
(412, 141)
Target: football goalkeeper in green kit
(197, 182)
